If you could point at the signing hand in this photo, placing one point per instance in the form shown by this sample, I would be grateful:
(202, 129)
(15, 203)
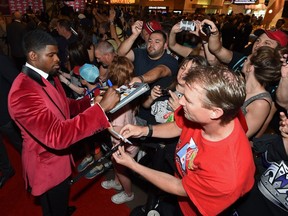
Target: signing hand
(110, 99)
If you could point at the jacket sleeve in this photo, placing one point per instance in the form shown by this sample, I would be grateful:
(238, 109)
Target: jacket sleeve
(48, 127)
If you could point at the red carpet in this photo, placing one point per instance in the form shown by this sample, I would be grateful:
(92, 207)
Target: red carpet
(87, 195)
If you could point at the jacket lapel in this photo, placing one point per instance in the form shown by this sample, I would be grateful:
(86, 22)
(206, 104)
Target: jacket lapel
(55, 94)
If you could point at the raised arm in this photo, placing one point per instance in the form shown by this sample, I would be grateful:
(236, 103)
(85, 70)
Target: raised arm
(215, 45)
(113, 32)
(173, 45)
(125, 47)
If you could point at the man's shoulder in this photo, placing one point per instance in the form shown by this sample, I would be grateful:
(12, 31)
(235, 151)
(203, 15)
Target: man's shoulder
(237, 61)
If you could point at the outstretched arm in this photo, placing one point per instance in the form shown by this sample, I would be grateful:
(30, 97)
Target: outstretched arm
(154, 74)
(166, 130)
(164, 181)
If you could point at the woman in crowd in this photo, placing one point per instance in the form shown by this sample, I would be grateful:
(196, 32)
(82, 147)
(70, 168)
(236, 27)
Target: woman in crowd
(121, 72)
(261, 70)
(164, 102)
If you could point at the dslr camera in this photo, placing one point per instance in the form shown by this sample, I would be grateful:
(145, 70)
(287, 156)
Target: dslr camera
(165, 92)
(187, 25)
(206, 29)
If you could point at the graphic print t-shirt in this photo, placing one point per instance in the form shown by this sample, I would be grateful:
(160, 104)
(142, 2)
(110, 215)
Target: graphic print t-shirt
(214, 174)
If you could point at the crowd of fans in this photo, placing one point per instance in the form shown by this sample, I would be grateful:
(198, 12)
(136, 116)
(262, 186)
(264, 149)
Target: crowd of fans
(211, 116)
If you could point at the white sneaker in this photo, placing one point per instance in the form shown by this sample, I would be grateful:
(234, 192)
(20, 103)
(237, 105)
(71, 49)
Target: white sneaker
(122, 197)
(111, 184)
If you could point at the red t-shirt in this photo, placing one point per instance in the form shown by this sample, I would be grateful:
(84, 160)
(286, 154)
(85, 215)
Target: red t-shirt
(214, 174)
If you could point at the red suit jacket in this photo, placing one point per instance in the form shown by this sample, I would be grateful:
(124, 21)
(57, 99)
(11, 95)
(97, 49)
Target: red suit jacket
(43, 113)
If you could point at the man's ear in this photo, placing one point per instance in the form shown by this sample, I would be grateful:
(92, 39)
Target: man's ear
(216, 113)
(32, 56)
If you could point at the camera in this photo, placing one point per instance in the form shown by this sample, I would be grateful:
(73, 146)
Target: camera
(206, 29)
(165, 92)
(187, 25)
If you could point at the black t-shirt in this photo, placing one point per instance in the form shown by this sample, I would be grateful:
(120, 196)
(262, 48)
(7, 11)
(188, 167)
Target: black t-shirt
(142, 64)
(237, 62)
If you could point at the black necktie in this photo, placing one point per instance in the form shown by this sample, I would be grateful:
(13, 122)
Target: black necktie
(51, 80)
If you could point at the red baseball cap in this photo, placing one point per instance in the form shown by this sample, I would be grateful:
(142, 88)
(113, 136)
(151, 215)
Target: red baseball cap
(152, 26)
(76, 70)
(277, 35)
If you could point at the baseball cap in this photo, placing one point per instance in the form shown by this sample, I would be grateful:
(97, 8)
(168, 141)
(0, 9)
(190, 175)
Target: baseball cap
(152, 26)
(89, 72)
(76, 70)
(278, 36)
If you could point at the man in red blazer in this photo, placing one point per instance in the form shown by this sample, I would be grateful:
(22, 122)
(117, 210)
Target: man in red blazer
(43, 113)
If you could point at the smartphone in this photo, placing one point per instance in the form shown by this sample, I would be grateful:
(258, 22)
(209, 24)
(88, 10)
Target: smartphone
(187, 25)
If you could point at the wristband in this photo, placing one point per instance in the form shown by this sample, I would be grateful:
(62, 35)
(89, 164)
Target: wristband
(141, 78)
(68, 83)
(150, 131)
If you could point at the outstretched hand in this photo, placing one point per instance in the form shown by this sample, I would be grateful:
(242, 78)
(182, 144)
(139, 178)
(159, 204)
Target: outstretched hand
(133, 131)
(110, 99)
(121, 157)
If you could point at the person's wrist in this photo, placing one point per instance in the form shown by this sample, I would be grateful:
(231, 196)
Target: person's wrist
(68, 83)
(215, 33)
(141, 78)
(150, 130)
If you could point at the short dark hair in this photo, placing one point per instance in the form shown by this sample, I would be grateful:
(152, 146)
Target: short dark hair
(36, 40)
(65, 24)
(162, 33)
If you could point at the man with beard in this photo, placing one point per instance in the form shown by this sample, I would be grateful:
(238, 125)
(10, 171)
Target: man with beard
(38, 105)
(151, 65)
(154, 66)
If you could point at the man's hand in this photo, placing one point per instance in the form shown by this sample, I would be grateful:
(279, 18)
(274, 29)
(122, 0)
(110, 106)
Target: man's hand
(121, 157)
(176, 28)
(110, 99)
(134, 131)
(137, 27)
(214, 30)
